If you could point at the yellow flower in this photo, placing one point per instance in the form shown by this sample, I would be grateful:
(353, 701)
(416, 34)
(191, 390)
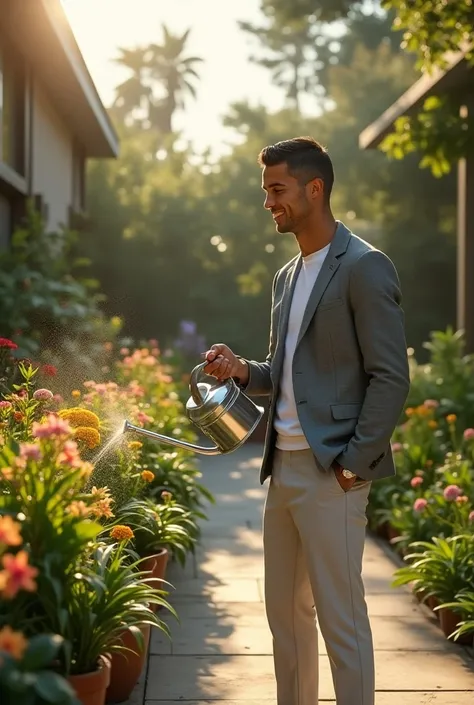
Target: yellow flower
(12, 643)
(432, 424)
(80, 417)
(100, 492)
(451, 418)
(135, 445)
(122, 533)
(90, 436)
(10, 532)
(76, 393)
(101, 509)
(148, 476)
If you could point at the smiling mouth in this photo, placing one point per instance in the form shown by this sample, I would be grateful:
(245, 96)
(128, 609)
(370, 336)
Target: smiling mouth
(277, 214)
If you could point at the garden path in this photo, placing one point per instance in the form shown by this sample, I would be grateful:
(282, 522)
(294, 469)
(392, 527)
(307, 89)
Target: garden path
(221, 651)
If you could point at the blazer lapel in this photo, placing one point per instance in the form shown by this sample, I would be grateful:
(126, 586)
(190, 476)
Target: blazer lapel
(330, 266)
(287, 296)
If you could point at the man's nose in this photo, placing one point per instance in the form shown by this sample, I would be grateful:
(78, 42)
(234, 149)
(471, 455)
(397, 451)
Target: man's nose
(269, 202)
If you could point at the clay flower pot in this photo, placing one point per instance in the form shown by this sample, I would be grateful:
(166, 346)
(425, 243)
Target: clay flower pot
(126, 666)
(156, 565)
(449, 620)
(91, 687)
(433, 602)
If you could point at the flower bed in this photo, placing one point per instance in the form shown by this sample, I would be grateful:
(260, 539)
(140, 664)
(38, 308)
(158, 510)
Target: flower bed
(427, 510)
(86, 516)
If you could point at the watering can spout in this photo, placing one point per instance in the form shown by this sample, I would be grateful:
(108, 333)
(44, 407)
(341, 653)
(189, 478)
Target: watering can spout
(204, 450)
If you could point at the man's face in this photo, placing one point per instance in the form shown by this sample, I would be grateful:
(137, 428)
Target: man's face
(288, 201)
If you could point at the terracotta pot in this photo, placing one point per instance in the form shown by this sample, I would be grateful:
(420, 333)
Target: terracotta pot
(433, 602)
(156, 565)
(382, 530)
(91, 687)
(392, 533)
(449, 623)
(127, 667)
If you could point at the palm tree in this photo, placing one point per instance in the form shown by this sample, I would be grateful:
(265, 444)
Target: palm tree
(134, 93)
(175, 73)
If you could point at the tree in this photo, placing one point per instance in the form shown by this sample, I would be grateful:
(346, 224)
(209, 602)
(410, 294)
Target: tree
(176, 73)
(431, 30)
(161, 78)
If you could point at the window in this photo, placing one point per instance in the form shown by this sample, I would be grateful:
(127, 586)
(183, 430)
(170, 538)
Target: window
(12, 108)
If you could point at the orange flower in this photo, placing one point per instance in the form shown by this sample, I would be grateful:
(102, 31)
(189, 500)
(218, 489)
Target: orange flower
(18, 575)
(90, 436)
(10, 532)
(148, 476)
(409, 412)
(78, 508)
(432, 423)
(12, 643)
(102, 509)
(122, 533)
(18, 416)
(6, 473)
(451, 418)
(76, 393)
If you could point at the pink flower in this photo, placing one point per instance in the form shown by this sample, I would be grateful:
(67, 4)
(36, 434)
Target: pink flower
(416, 481)
(468, 434)
(420, 504)
(452, 492)
(144, 418)
(431, 404)
(70, 455)
(53, 426)
(30, 451)
(5, 405)
(43, 395)
(397, 447)
(471, 516)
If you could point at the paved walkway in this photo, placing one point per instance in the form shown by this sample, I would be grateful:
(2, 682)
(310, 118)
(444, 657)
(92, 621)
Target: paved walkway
(221, 651)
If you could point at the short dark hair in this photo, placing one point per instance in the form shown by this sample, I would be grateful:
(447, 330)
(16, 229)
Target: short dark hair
(306, 160)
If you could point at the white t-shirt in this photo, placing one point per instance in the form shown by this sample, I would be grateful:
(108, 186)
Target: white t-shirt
(290, 435)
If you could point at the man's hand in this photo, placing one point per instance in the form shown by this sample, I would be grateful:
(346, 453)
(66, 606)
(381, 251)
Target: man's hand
(345, 482)
(222, 364)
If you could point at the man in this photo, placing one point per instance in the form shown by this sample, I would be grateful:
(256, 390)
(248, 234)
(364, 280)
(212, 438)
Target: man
(337, 377)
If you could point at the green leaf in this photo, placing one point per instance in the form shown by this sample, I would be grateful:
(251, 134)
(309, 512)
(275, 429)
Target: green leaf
(54, 688)
(41, 651)
(87, 529)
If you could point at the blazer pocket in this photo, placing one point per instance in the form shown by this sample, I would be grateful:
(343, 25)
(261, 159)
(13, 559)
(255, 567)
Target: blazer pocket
(346, 411)
(326, 305)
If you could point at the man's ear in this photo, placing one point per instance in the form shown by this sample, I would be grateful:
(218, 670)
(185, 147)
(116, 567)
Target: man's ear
(316, 188)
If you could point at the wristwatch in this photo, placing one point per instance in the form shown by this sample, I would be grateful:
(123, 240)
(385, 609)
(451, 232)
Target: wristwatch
(348, 474)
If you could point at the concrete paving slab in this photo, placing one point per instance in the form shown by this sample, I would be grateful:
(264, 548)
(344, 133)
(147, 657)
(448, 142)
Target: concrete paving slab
(244, 630)
(224, 677)
(218, 590)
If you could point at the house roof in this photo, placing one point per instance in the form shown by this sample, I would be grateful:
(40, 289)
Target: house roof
(438, 81)
(45, 36)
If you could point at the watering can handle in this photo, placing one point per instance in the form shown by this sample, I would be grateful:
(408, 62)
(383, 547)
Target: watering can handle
(193, 382)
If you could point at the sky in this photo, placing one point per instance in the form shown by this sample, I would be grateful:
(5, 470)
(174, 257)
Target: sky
(227, 74)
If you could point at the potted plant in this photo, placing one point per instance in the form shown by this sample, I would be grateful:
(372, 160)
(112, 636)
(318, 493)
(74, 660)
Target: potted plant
(462, 629)
(110, 613)
(160, 530)
(440, 569)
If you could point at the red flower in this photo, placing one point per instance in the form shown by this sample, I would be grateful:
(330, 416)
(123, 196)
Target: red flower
(6, 343)
(49, 370)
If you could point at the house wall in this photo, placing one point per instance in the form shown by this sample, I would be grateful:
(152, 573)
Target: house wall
(53, 159)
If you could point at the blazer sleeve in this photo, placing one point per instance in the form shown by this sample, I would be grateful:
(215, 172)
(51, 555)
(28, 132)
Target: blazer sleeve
(375, 298)
(259, 382)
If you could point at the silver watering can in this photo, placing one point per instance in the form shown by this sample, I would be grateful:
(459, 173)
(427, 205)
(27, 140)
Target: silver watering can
(220, 410)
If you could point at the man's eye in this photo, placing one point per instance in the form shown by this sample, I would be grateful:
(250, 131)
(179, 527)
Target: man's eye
(280, 190)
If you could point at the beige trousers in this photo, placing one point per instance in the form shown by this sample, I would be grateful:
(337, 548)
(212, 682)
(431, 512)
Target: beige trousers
(314, 536)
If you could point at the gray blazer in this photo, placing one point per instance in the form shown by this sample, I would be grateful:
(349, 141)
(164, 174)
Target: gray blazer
(350, 367)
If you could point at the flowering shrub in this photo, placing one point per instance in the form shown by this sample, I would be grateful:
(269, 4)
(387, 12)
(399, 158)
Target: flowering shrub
(428, 507)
